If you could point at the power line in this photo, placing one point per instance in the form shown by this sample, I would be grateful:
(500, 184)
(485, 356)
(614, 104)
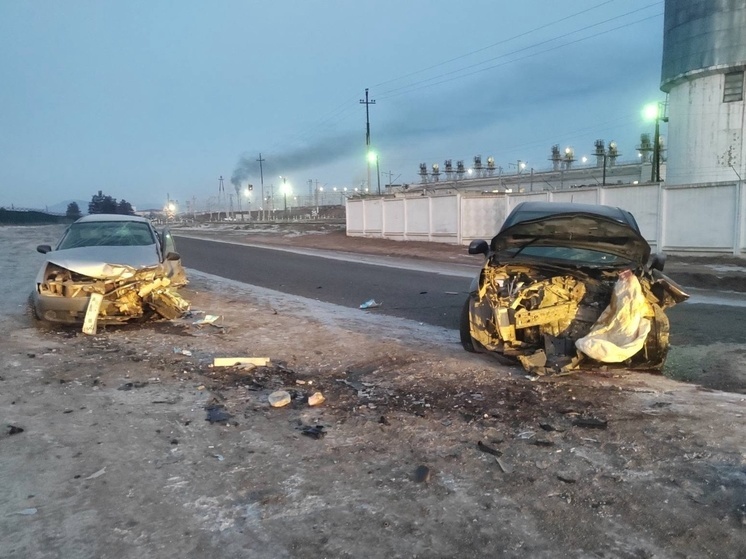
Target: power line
(392, 93)
(514, 37)
(529, 47)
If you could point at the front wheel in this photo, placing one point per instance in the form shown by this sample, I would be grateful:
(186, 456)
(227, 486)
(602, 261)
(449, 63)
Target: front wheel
(465, 328)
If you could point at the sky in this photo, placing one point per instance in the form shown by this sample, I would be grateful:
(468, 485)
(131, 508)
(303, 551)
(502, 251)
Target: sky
(155, 100)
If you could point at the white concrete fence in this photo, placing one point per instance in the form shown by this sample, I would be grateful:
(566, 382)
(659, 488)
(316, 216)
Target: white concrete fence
(701, 219)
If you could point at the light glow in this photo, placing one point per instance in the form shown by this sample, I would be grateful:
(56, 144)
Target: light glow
(650, 111)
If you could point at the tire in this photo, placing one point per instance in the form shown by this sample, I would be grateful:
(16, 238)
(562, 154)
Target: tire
(465, 329)
(32, 309)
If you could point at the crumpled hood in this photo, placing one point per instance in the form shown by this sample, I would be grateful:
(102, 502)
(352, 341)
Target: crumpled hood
(576, 230)
(105, 261)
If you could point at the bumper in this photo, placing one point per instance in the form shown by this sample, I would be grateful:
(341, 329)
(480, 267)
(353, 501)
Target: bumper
(68, 310)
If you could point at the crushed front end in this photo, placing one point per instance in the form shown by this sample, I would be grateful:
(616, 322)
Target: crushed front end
(126, 293)
(537, 314)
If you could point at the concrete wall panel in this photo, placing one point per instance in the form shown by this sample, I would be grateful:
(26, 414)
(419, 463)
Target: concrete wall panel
(417, 211)
(700, 218)
(373, 216)
(706, 218)
(394, 212)
(444, 216)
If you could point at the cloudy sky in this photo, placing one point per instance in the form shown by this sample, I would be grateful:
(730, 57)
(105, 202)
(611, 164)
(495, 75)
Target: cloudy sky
(149, 99)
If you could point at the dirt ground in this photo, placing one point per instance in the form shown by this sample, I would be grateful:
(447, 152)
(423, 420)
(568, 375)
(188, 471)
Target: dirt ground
(420, 449)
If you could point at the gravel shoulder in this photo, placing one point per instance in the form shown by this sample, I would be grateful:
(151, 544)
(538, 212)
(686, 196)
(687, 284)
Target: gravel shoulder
(422, 450)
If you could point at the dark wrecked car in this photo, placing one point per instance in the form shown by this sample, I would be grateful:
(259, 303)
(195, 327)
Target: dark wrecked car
(569, 286)
(109, 269)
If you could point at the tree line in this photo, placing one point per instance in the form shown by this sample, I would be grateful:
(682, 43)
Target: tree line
(101, 204)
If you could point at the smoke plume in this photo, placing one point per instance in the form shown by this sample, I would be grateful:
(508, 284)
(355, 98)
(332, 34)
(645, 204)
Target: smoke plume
(325, 151)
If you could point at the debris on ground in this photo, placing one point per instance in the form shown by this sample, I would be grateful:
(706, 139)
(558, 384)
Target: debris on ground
(28, 512)
(489, 450)
(313, 431)
(235, 361)
(567, 477)
(422, 474)
(208, 319)
(315, 399)
(131, 385)
(99, 473)
(370, 304)
(216, 413)
(279, 398)
(504, 466)
(590, 422)
(14, 430)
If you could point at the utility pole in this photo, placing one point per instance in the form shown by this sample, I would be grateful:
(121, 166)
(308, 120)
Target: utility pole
(656, 172)
(261, 178)
(367, 104)
(221, 195)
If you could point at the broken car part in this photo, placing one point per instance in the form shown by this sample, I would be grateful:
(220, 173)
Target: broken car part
(567, 286)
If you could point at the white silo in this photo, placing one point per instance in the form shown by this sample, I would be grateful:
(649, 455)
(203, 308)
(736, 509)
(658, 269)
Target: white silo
(704, 57)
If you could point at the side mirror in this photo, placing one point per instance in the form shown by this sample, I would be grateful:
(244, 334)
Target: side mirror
(658, 261)
(479, 247)
(44, 249)
(173, 256)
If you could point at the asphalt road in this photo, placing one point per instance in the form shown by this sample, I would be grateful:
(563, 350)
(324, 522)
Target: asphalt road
(427, 297)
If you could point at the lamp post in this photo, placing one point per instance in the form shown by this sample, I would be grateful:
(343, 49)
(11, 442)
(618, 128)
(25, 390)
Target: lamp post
(373, 156)
(247, 193)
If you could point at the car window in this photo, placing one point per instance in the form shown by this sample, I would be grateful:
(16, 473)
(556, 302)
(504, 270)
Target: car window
(567, 254)
(107, 233)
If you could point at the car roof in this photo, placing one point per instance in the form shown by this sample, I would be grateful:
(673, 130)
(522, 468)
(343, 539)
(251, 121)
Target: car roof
(527, 211)
(111, 217)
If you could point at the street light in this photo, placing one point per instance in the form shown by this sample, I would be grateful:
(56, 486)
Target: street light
(373, 157)
(247, 194)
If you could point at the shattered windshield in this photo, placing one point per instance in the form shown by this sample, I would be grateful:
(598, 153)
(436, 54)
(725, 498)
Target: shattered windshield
(107, 233)
(582, 256)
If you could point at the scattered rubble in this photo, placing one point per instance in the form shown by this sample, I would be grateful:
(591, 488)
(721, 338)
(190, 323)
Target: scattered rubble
(370, 304)
(279, 398)
(131, 385)
(316, 399)
(590, 423)
(422, 474)
(489, 450)
(216, 413)
(313, 431)
(236, 361)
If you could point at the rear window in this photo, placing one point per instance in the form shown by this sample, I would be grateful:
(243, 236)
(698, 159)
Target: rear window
(107, 233)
